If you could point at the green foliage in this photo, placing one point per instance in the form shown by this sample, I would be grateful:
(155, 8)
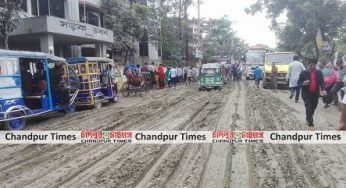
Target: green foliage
(304, 17)
(175, 30)
(9, 17)
(128, 22)
(220, 40)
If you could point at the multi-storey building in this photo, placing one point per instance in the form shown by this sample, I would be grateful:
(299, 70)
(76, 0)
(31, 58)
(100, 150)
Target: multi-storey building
(63, 27)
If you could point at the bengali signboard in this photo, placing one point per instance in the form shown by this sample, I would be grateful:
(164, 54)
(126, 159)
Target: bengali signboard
(80, 29)
(54, 25)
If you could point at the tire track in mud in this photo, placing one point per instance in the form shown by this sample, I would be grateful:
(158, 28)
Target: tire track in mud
(238, 159)
(53, 154)
(172, 164)
(134, 167)
(216, 172)
(286, 165)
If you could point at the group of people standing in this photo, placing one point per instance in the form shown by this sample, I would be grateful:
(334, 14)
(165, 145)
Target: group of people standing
(175, 75)
(235, 71)
(160, 76)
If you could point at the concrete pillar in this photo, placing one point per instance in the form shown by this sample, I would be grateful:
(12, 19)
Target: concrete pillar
(136, 53)
(47, 43)
(72, 10)
(101, 49)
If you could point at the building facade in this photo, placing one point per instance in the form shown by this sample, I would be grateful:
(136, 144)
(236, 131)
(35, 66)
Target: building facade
(195, 34)
(66, 28)
(146, 51)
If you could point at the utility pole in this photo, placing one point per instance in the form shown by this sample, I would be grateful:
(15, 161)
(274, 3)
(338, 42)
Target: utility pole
(199, 47)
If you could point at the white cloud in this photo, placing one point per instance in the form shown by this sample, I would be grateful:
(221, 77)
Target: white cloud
(253, 29)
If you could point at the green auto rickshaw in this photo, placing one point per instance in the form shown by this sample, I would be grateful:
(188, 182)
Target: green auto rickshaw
(210, 77)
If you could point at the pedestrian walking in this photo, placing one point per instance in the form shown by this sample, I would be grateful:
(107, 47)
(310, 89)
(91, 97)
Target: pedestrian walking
(168, 77)
(274, 77)
(313, 86)
(330, 77)
(185, 70)
(152, 73)
(161, 76)
(339, 83)
(173, 74)
(179, 75)
(239, 72)
(189, 76)
(294, 70)
(258, 74)
(235, 69)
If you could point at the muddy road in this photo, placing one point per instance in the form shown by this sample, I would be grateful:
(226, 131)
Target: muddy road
(239, 106)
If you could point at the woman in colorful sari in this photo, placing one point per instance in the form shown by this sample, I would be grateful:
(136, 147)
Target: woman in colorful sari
(161, 73)
(330, 77)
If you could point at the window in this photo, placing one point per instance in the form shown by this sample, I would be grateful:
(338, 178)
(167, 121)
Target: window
(9, 79)
(23, 6)
(92, 17)
(34, 9)
(57, 8)
(9, 66)
(43, 7)
(143, 49)
(280, 59)
(81, 13)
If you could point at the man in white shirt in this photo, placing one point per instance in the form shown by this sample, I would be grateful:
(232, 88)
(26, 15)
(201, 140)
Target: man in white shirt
(174, 76)
(179, 74)
(294, 70)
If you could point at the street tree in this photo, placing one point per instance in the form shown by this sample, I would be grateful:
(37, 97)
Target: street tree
(128, 21)
(221, 40)
(9, 18)
(305, 18)
(177, 14)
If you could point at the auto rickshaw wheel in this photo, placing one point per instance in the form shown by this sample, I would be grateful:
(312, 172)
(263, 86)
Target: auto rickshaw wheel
(69, 109)
(16, 124)
(114, 99)
(98, 104)
(264, 85)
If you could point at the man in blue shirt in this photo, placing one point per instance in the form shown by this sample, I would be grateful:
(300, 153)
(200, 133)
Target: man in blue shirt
(258, 74)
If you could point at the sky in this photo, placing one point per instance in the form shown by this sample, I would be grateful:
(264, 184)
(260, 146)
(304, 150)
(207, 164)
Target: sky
(252, 29)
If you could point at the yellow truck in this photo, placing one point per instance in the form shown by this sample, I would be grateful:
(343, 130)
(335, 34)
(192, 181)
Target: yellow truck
(282, 61)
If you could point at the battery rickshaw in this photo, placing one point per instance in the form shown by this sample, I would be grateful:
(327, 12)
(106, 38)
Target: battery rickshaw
(33, 84)
(97, 82)
(210, 77)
